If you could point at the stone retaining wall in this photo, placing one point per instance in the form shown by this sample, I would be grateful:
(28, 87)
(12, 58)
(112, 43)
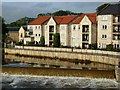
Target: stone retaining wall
(67, 55)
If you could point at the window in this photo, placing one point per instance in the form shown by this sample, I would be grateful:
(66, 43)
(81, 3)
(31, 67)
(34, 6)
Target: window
(30, 27)
(104, 17)
(103, 45)
(104, 26)
(62, 43)
(62, 27)
(21, 35)
(74, 27)
(62, 35)
(78, 26)
(104, 36)
(46, 27)
(36, 27)
(39, 27)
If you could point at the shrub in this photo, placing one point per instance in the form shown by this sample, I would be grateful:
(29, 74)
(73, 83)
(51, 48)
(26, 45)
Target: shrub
(109, 47)
(31, 43)
(56, 40)
(19, 43)
(42, 41)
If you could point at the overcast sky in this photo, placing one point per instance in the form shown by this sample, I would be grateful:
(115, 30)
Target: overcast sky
(11, 11)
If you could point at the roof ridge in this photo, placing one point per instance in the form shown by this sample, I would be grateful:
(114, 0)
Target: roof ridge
(104, 8)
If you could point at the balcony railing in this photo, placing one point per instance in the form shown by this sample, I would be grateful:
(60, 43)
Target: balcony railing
(30, 29)
(85, 30)
(84, 39)
(116, 31)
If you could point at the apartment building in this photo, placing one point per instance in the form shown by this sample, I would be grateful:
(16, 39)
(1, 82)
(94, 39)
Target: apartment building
(75, 30)
(84, 31)
(48, 26)
(109, 26)
(60, 24)
(36, 28)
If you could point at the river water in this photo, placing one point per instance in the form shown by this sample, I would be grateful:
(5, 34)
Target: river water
(40, 62)
(39, 81)
(28, 81)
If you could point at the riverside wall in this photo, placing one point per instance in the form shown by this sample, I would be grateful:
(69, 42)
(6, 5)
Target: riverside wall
(106, 57)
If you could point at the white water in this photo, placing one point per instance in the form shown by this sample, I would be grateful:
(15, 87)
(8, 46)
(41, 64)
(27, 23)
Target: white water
(32, 81)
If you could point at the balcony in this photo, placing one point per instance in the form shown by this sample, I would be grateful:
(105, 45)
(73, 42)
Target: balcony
(116, 37)
(85, 37)
(51, 37)
(116, 20)
(51, 29)
(85, 28)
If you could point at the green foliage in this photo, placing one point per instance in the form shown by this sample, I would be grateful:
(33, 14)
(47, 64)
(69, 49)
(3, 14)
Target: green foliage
(94, 46)
(56, 41)
(42, 41)
(101, 7)
(31, 43)
(109, 47)
(59, 13)
(20, 22)
(4, 30)
(19, 43)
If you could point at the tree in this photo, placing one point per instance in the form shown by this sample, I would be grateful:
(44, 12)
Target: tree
(101, 7)
(61, 13)
(56, 40)
(4, 31)
(42, 41)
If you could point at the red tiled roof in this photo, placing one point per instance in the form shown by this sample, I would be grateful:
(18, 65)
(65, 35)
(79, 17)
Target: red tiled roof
(64, 19)
(39, 20)
(91, 16)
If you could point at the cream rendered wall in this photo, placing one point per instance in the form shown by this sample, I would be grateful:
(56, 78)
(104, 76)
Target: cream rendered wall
(36, 31)
(51, 22)
(86, 21)
(46, 34)
(21, 31)
(64, 34)
(76, 35)
(102, 42)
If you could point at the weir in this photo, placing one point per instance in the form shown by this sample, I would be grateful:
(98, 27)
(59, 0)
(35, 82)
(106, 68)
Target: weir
(60, 72)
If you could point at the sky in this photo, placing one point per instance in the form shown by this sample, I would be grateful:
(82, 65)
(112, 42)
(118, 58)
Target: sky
(11, 11)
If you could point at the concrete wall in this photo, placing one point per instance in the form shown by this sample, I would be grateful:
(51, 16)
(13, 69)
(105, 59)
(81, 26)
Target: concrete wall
(104, 57)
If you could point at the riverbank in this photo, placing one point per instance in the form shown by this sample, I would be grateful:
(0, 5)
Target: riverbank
(95, 57)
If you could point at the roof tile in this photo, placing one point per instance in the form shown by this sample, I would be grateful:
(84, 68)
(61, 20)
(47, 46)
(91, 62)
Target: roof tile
(91, 16)
(39, 20)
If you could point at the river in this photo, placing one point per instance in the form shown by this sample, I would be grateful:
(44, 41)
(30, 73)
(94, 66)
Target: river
(12, 78)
